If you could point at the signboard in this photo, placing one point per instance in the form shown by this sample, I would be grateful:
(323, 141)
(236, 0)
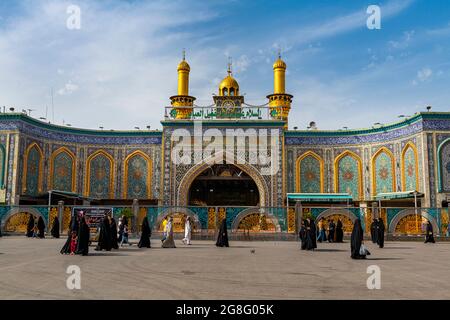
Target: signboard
(94, 217)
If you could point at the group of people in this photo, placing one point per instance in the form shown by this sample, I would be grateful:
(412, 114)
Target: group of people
(168, 240)
(78, 237)
(111, 235)
(35, 228)
(309, 234)
(377, 232)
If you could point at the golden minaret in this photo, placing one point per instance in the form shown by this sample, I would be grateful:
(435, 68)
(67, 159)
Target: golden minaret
(280, 101)
(183, 102)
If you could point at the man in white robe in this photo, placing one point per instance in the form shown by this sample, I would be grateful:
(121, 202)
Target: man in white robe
(187, 231)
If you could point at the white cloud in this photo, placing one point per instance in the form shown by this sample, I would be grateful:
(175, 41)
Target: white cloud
(404, 42)
(346, 23)
(424, 74)
(68, 88)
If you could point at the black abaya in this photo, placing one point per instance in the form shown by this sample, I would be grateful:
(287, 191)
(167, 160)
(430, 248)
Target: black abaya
(83, 238)
(302, 235)
(313, 233)
(380, 233)
(429, 233)
(222, 238)
(55, 228)
(41, 228)
(104, 239)
(339, 231)
(356, 240)
(114, 240)
(66, 248)
(308, 244)
(30, 226)
(331, 231)
(374, 231)
(146, 233)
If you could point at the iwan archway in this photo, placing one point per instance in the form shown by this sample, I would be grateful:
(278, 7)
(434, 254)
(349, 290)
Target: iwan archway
(210, 183)
(223, 185)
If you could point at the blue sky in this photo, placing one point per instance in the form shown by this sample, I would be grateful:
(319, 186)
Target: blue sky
(119, 70)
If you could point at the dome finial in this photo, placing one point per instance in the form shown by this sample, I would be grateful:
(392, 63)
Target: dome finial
(184, 54)
(230, 64)
(279, 53)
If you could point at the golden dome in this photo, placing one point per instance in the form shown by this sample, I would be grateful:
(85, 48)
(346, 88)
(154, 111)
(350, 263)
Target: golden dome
(229, 86)
(279, 64)
(229, 82)
(183, 65)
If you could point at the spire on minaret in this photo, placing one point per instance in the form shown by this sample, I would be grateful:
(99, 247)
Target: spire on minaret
(230, 64)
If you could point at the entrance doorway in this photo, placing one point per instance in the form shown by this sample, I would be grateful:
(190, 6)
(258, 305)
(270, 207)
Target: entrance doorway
(223, 185)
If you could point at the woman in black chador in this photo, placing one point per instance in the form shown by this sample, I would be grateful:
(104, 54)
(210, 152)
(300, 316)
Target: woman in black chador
(55, 228)
(222, 238)
(429, 233)
(83, 238)
(114, 240)
(41, 228)
(30, 226)
(339, 232)
(73, 227)
(380, 233)
(104, 239)
(146, 233)
(311, 242)
(302, 235)
(374, 231)
(357, 240)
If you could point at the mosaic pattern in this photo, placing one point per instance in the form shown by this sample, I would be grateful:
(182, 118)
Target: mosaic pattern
(137, 177)
(383, 173)
(311, 175)
(100, 176)
(63, 173)
(444, 155)
(349, 175)
(33, 171)
(409, 167)
(2, 165)
(82, 136)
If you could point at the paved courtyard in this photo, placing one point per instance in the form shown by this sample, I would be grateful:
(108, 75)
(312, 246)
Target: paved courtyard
(34, 269)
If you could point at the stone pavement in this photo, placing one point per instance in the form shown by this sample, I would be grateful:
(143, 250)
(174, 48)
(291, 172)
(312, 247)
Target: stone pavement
(34, 269)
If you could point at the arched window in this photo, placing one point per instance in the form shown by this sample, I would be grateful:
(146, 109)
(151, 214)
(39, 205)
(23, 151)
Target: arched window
(225, 91)
(232, 92)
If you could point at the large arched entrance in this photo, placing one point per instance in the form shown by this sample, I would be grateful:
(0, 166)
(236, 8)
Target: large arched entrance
(223, 185)
(244, 174)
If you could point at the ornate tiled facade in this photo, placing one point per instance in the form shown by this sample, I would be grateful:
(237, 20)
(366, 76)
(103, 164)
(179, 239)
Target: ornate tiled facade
(410, 155)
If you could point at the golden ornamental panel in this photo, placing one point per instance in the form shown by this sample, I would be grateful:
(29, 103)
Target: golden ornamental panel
(411, 224)
(51, 216)
(369, 219)
(67, 213)
(444, 219)
(212, 218)
(347, 224)
(17, 222)
(179, 220)
(142, 213)
(256, 222)
(291, 219)
(222, 214)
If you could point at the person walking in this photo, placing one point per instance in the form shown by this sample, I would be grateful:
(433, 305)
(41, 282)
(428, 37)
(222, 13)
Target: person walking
(187, 231)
